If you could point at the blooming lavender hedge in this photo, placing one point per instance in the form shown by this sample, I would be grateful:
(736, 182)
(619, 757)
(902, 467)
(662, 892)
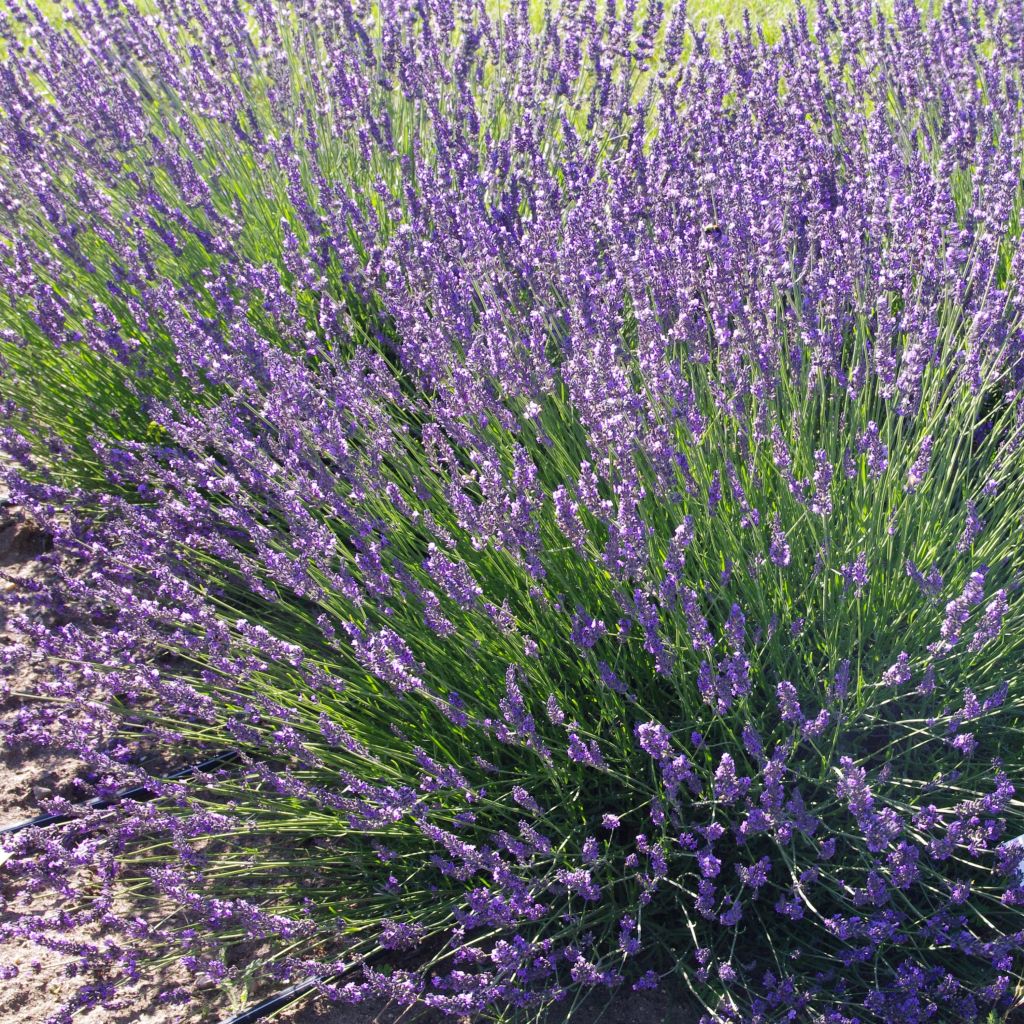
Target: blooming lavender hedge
(576, 465)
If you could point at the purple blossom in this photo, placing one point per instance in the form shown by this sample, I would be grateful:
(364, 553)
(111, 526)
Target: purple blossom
(841, 681)
(965, 743)
(655, 740)
(647, 982)
(678, 770)
(972, 529)
(877, 453)
(756, 875)
(821, 500)
(789, 703)
(523, 798)
(697, 624)
(752, 742)
(898, 674)
(628, 942)
(554, 712)
(853, 787)
(579, 882)
(728, 787)
(930, 585)
(400, 935)
(855, 574)
(586, 631)
(991, 623)
(585, 752)
(710, 865)
(812, 728)
(919, 470)
(958, 611)
(779, 552)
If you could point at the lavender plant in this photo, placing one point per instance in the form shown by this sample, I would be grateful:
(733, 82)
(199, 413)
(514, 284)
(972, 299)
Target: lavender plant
(577, 467)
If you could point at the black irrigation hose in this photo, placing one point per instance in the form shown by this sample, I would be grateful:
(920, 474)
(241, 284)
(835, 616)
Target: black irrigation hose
(275, 1002)
(252, 1013)
(281, 999)
(134, 793)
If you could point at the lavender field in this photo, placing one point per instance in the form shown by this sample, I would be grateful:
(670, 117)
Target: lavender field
(512, 512)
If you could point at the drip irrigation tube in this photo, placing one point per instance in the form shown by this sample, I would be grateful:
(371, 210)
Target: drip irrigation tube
(287, 996)
(251, 1014)
(272, 1003)
(134, 793)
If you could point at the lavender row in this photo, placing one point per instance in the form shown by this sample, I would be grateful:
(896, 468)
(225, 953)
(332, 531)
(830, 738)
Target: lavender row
(574, 459)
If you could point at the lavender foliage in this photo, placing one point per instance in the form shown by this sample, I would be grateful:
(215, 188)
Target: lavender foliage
(523, 438)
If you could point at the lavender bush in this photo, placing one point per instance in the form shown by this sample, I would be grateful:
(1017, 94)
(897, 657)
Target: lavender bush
(574, 462)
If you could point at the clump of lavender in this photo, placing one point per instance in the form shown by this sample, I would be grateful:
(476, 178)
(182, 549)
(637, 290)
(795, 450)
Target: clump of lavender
(577, 468)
